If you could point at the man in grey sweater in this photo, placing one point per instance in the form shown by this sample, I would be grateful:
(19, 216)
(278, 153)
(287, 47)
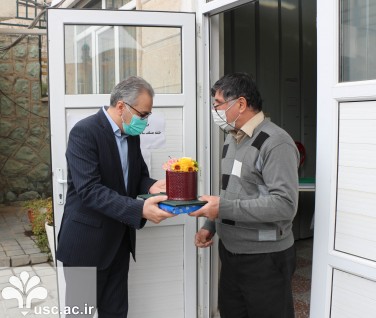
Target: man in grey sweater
(258, 201)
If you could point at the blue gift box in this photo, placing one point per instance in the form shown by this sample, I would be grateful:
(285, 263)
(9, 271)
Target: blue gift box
(179, 209)
(176, 206)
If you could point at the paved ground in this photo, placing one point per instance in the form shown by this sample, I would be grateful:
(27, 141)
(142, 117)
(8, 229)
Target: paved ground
(28, 284)
(301, 282)
(17, 244)
(35, 295)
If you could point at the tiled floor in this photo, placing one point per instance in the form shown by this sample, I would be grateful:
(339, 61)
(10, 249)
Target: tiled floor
(17, 244)
(43, 275)
(301, 283)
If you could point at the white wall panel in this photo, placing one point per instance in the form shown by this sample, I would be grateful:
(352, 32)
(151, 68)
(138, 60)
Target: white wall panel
(356, 196)
(355, 235)
(359, 179)
(357, 131)
(159, 272)
(358, 110)
(364, 158)
(351, 201)
(352, 296)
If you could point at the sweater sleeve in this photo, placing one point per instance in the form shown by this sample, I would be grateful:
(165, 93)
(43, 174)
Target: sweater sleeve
(280, 175)
(210, 226)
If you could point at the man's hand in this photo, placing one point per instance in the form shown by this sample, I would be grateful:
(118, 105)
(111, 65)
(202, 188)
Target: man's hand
(203, 238)
(152, 212)
(210, 209)
(158, 187)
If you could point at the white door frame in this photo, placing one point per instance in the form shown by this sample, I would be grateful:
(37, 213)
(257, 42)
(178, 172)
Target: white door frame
(330, 93)
(59, 101)
(208, 69)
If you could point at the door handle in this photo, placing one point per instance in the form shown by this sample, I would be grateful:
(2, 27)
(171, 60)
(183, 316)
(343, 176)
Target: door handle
(60, 186)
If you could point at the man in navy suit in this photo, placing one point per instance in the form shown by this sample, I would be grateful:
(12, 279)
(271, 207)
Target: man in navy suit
(106, 172)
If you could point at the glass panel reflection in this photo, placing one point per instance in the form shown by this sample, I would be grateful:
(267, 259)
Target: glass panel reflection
(128, 51)
(106, 61)
(115, 4)
(84, 66)
(97, 57)
(358, 40)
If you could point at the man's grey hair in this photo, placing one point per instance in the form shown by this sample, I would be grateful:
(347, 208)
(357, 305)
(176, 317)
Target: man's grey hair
(129, 89)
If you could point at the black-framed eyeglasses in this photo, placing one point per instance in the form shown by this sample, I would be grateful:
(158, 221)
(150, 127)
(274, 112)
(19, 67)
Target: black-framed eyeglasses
(226, 101)
(141, 115)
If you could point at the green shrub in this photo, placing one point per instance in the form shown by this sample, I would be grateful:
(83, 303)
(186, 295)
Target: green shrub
(40, 211)
(39, 230)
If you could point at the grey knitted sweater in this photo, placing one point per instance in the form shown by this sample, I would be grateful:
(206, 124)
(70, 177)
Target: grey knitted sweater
(259, 194)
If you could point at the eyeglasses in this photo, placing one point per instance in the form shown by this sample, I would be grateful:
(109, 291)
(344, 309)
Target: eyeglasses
(227, 101)
(143, 116)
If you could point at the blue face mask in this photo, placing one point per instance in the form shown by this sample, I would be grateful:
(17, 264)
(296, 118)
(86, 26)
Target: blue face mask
(136, 126)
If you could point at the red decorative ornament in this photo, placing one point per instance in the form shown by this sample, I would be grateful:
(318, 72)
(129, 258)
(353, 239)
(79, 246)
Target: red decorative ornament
(302, 152)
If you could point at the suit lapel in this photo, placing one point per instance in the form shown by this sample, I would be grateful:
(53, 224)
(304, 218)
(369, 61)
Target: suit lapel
(109, 136)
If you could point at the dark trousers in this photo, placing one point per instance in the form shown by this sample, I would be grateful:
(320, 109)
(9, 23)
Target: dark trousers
(256, 285)
(110, 293)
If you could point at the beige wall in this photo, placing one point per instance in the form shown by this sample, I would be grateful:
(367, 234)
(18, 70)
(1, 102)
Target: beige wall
(166, 5)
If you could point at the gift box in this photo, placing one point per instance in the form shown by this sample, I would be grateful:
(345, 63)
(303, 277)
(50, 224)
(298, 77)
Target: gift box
(180, 209)
(176, 207)
(181, 186)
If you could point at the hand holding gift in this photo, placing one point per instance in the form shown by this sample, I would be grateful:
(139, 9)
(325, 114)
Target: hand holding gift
(152, 212)
(158, 187)
(210, 209)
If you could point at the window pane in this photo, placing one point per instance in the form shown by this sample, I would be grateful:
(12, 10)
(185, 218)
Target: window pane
(115, 4)
(128, 51)
(106, 61)
(358, 40)
(97, 57)
(84, 67)
(93, 4)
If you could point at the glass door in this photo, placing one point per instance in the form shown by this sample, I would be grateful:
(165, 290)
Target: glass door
(89, 52)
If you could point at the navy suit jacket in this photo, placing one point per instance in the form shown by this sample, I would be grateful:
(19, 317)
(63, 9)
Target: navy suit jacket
(99, 211)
